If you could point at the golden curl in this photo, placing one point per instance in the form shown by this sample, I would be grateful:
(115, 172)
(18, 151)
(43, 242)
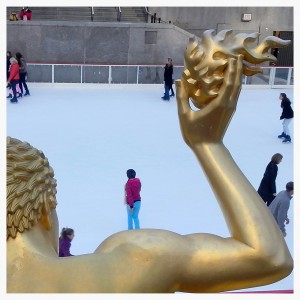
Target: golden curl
(30, 186)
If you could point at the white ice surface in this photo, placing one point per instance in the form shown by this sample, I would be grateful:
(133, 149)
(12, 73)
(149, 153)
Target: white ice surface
(92, 134)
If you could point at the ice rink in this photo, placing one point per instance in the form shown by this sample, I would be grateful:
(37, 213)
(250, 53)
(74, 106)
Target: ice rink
(92, 134)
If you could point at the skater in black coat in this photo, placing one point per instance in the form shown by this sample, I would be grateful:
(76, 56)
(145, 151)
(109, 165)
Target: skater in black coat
(267, 187)
(287, 116)
(168, 79)
(8, 57)
(171, 87)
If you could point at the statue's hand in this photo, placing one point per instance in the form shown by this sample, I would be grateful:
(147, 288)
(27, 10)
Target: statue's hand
(209, 124)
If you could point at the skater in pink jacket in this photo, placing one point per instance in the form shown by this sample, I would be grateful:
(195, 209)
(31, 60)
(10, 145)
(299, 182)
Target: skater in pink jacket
(133, 199)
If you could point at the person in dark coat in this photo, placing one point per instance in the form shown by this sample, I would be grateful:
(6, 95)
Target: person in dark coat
(23, 73)
(171, 87)
(267, 187)
(66, 236)
(168, 79)
(8, 57)
(287, 116)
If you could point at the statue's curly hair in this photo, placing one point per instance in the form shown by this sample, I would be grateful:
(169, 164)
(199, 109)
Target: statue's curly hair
(31, 187)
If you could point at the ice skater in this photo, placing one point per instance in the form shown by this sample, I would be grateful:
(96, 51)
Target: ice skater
(23, 73)
(267, 187)
(133, 199)
(13, 78)
(168, 79)
(287, 116)
(65, 239)
(171, 87)
(280, 206)
(8, 57)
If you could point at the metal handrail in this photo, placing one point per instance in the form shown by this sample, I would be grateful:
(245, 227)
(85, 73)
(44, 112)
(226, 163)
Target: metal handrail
(92, 13)
(119, 14)
(267, 78)
(147, 13)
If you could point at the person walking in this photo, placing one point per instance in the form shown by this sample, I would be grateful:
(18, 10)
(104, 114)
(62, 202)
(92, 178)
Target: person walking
(133, 199)
(65, 239)
(287, 116)
(23, 73)
(267, 187)
(13, 79)
(168, 78)
(280, 206)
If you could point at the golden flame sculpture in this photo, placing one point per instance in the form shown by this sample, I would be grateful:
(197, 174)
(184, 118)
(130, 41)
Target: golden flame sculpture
(149, 260)
(206, 61)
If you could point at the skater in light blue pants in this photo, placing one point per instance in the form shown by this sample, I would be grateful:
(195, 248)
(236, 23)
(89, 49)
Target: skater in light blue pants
(133, 215)
(133, 199)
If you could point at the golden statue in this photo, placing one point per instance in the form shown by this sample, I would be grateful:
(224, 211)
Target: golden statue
(158, 261)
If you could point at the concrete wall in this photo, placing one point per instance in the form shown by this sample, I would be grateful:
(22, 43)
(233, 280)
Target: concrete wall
(96, 43)
(136, 43)
(198, 19)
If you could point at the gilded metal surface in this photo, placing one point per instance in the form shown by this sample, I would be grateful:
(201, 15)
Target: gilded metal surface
(159, 261)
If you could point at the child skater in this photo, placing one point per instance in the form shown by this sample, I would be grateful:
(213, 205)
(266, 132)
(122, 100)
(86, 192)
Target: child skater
(66, 236)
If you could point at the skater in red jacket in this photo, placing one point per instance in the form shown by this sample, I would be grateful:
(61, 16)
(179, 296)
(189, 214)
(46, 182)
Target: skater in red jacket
(14, 77)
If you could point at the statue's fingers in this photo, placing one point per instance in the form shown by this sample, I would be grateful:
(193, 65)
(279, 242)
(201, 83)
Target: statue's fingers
(182, 98)
(238, 78)
(229, 76)
(231, 70)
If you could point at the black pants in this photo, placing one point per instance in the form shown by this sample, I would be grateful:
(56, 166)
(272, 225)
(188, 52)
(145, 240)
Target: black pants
(23, 82)
(13, 84)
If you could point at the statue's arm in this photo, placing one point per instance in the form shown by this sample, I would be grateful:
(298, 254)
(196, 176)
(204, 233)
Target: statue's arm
(256, 253)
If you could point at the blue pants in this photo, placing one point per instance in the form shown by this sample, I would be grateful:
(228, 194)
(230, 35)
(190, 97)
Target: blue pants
(134, 216)
(167, 92)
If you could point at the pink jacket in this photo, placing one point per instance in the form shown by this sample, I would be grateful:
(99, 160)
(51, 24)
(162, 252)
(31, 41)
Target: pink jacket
(132, 191)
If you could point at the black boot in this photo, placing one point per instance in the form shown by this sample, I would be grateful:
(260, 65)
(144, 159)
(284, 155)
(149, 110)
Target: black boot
(165, 97)
(27, 93)
(287, 139)
(282, 136)
(14, 100)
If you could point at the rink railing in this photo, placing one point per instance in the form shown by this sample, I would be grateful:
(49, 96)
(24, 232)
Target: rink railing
(140, 74)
